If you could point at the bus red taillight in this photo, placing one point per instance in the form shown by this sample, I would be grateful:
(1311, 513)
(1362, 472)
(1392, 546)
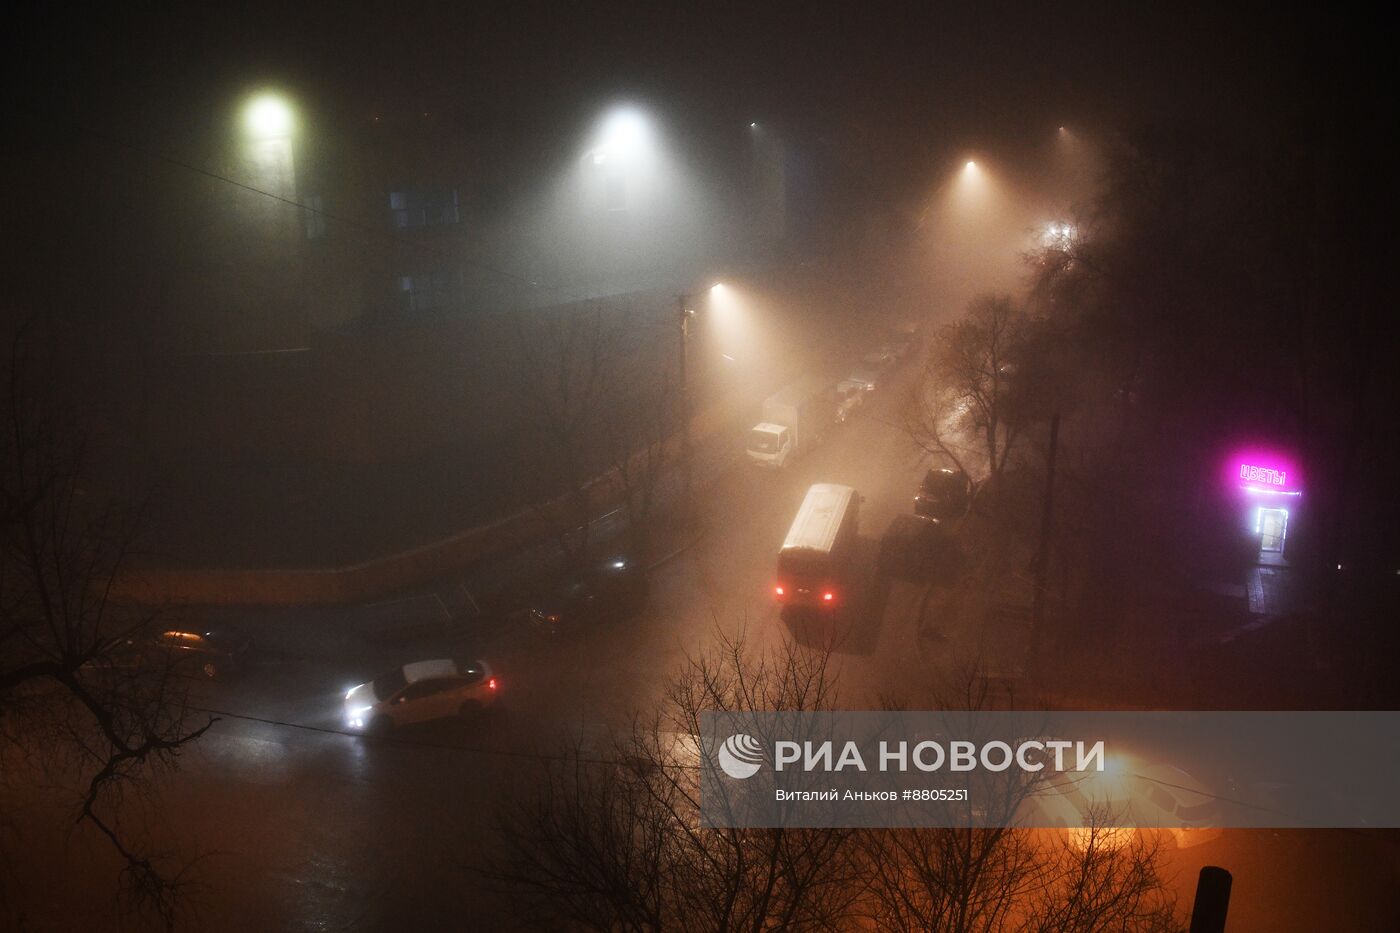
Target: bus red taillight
(828, 596)
(778, 591)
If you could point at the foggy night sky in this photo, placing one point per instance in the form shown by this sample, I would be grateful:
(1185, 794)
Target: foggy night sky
(891, 89)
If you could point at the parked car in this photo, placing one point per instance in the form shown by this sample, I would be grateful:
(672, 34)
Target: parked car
(421, 692)
(849, 396)
(944, 495)
(879, 359)
(865, 376)
(614, 589)
(190, 652)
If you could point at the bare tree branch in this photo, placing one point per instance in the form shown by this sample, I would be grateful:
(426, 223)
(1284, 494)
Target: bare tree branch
(71, 707)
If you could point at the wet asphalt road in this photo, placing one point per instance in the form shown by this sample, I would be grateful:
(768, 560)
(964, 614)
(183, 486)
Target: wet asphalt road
(320, 830)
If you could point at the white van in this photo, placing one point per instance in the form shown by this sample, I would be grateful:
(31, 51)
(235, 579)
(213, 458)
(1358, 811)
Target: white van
(817, 557)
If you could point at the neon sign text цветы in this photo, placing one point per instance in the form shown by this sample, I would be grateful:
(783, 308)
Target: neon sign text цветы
(1264, 475)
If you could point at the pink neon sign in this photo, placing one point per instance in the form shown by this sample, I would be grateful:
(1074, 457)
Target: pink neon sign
(1263, 476)
(1265, 472)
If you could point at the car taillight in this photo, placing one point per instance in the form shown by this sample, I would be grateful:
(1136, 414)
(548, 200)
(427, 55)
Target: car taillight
(491, 683)
(828, 597)
(778, 590)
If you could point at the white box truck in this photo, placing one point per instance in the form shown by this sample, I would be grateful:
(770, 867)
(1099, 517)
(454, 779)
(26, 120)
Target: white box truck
(793, 420)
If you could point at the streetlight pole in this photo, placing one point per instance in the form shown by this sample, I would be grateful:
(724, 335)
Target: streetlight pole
(683, 316)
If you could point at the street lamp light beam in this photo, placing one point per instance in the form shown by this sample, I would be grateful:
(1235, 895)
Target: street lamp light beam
(625, 135)
(268, 117)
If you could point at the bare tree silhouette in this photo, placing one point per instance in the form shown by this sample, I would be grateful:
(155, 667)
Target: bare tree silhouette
(74, 712)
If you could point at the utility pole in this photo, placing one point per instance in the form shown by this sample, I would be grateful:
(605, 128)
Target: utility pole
(683, 316)
(1212, 900)
(1042, 555)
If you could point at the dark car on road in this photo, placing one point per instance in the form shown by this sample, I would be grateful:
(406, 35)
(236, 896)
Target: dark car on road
(944, 495)
(191, 652)
(615, 589)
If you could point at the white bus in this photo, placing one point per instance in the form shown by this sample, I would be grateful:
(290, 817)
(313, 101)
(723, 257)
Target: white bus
(814, 565)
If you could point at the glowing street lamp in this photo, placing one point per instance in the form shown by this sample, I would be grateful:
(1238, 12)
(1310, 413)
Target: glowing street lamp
(267, 143)
(268, 116)
(972, 186)
(621, 167)
(625, 135)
